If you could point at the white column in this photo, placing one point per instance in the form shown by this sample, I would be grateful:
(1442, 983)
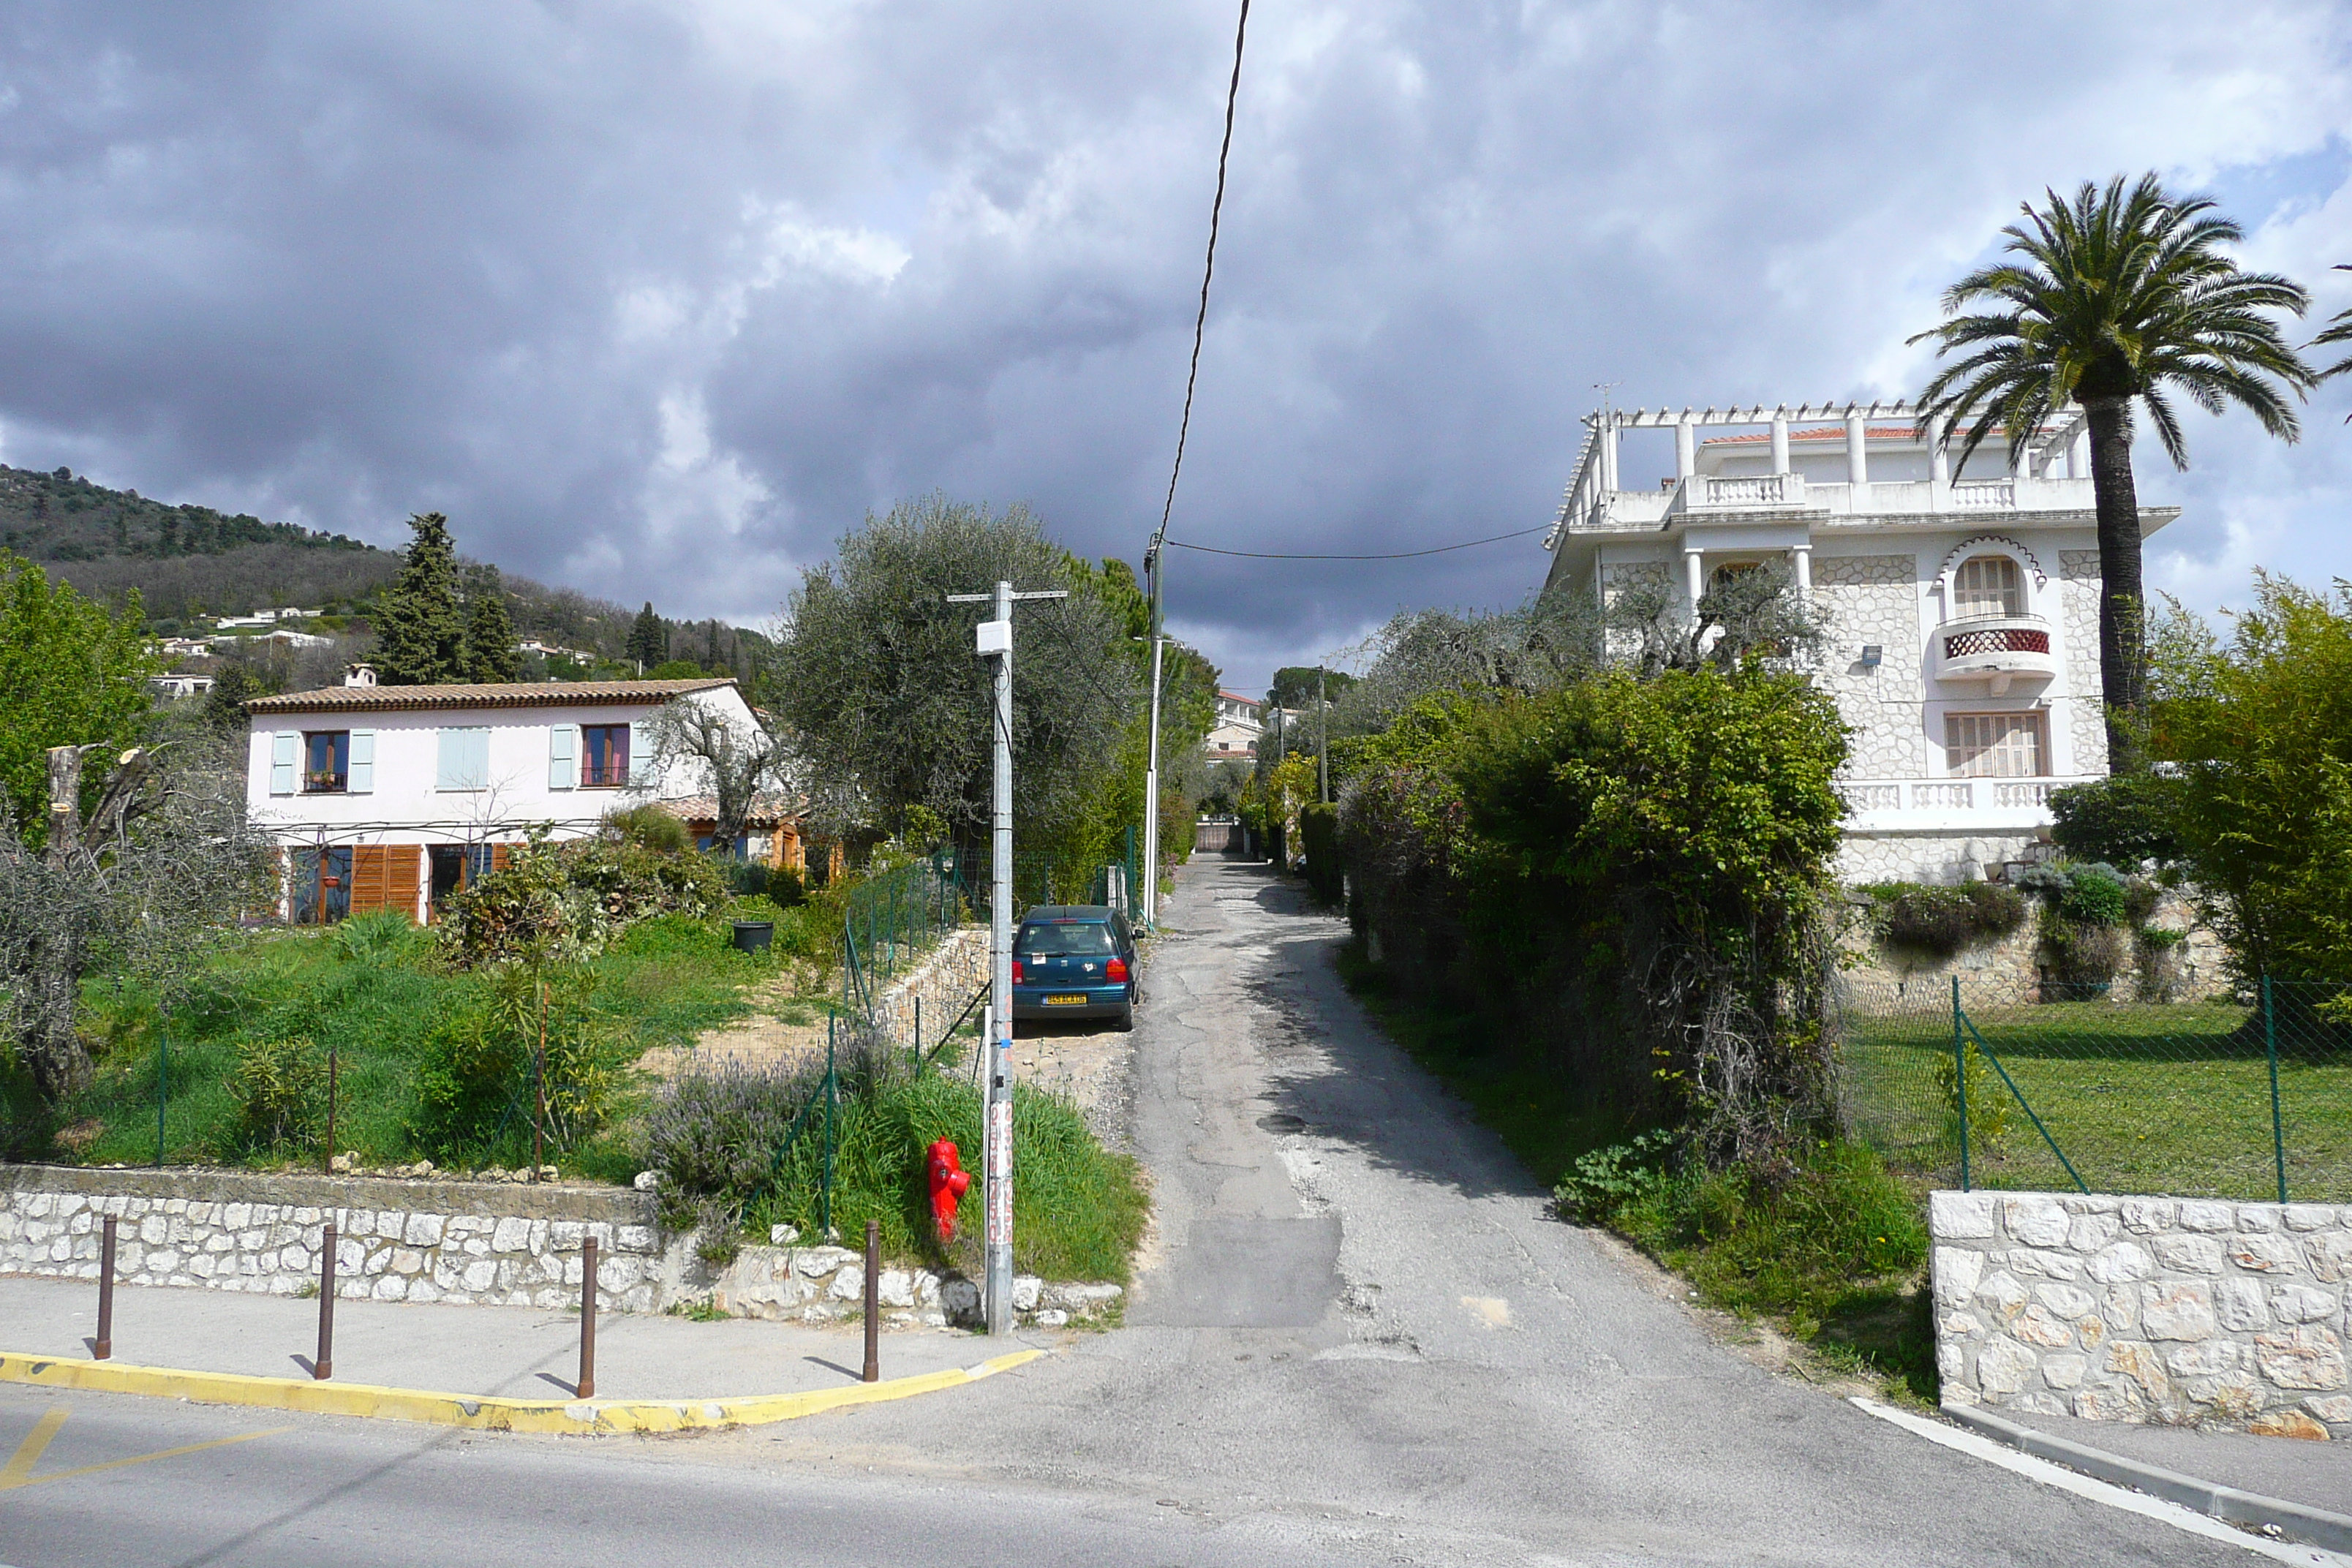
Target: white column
(2078, 454)
(1803, 558)
(1857, 449)
(1686, 449)
(1609, 453)
(2021, 465)
(1697, 571)
(1939, 460)
(1780, 441)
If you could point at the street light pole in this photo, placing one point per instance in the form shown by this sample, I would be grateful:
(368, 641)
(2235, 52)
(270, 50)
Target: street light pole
(994, 639)
(1322, 746)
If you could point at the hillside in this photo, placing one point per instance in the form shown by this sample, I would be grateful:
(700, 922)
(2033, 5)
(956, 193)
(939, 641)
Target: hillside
(191, 562)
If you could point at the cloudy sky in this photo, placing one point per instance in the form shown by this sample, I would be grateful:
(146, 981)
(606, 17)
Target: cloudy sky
(656, 299)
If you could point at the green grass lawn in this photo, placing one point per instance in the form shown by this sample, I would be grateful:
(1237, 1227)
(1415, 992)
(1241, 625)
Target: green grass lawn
(2142, 1098)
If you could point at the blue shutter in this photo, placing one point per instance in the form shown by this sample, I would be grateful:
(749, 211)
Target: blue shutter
(562, 756)
(285, 750)
(362, 777)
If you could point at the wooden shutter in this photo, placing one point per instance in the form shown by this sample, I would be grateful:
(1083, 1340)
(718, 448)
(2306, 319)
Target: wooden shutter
(361, 779)
(285, 748)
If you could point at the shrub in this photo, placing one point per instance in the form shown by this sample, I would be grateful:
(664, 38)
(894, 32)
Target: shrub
(1318, 830)
(382, 937)
(1605, 1179)
(565, 901)
(2095, 896)
(280, 1090)
(480, 1074)
(1942, 921)
(2129, 819)
(714, 1136)
(646, 826)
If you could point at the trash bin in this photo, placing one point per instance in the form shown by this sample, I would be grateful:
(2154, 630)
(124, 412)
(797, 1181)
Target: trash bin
(754, 936)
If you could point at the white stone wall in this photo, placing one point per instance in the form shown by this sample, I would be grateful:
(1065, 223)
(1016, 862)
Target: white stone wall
(1876, 599)
(2078, 614)
(945, 979)
(381, 1254)
(2171, 1310)
(1926, 856)
(824, 1284)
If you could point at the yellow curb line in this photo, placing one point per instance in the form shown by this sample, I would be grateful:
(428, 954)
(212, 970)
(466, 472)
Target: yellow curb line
(593, 1417)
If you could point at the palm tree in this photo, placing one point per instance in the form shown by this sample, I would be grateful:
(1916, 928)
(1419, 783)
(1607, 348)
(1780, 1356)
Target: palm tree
(2339, 331)
(2121, 295)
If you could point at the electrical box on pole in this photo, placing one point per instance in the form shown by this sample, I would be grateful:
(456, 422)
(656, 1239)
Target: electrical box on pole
(993, 639)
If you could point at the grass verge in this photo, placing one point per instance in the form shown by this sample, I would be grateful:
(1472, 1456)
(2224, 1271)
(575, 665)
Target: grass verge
(1834, 1254)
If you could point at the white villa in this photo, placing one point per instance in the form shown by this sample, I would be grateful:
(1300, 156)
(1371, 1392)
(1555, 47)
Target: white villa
(1235, 735)
(1963, 605)
(394, 796)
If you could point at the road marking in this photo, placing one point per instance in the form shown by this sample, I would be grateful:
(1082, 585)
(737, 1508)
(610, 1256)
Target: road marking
(2083, 1485)
(19, 1471)
(28, 1452)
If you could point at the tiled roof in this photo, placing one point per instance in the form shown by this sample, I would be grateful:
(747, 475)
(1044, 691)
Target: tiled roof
(509, 694)
(766, 812)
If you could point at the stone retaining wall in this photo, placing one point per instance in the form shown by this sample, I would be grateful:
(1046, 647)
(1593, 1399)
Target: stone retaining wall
(494, 1244)
(396, 1240)
(945, 981)
(2171, 1310)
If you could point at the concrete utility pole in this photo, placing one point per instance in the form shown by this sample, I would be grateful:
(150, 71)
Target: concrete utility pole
(994, 638)
(1152, 762)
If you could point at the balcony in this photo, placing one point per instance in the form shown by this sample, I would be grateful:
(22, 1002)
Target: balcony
(317, 781)
(1988, 802)
(1994, 650)
(603, 775)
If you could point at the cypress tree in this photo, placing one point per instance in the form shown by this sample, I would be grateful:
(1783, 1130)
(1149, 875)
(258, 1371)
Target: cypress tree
(490, 651)
(648, 641)
(420, 632)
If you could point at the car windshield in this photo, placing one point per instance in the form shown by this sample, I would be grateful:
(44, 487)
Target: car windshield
(1059, 939)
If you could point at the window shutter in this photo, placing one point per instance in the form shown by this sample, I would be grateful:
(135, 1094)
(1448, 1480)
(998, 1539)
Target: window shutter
(283, 748)
(562, 756)
(464, 759)
(640, 764)
(362, 777)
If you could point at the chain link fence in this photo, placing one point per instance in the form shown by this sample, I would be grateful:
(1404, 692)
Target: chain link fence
(2243, 1096)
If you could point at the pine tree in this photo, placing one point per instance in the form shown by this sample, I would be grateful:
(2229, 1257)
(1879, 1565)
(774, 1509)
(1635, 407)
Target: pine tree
(420, 632)
(491, 652)
(648, 641)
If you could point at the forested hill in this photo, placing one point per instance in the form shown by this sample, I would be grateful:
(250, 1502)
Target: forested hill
(191, 562)
(183, 560)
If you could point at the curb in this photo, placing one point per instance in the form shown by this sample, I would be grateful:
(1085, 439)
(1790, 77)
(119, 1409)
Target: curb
(2293, 1520)
(590, 1417)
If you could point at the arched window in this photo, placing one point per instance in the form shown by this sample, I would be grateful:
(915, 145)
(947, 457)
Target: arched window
(1987, 585)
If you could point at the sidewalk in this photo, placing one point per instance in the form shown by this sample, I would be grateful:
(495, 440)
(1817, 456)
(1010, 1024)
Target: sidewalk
(508, 1354)
(2316, 1475)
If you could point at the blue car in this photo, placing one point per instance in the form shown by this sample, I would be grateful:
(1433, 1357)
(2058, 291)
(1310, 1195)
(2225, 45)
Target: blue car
(1074, 961)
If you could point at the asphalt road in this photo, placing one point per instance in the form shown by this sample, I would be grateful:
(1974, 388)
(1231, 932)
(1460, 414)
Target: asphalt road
(1358, 1338)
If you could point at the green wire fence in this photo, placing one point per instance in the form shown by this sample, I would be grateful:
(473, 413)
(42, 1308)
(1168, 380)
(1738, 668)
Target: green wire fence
(2247, 1094)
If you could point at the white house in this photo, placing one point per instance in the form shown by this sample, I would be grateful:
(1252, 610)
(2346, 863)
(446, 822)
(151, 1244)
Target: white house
(1234, 736)
(394, 796)
(1964, 605)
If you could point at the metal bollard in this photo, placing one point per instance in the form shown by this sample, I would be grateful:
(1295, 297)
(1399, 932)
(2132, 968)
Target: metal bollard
(872, 1301)
(587, 1389)
(322, 1366)
(106, 1291)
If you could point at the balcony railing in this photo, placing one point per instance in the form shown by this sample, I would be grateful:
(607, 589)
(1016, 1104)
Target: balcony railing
(322, 782)
(1944, 795)
(1984, 495)
(1997, 639)
(1758, 490)
(607, 776)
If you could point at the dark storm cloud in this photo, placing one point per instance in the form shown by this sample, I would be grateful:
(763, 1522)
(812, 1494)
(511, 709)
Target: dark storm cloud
(655, 300)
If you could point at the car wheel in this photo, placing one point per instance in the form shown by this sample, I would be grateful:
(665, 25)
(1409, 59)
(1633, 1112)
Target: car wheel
(1127, 1013)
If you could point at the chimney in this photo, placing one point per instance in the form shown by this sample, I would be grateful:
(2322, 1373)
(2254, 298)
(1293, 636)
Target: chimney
(359, 675)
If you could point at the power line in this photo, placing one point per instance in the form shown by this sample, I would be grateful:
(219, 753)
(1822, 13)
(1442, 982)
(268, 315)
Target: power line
(1393, 555)
(1208, 271)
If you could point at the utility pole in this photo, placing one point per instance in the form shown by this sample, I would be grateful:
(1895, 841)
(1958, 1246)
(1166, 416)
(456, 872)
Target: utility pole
(1322, 750)
(994, 639)
(1151, 761)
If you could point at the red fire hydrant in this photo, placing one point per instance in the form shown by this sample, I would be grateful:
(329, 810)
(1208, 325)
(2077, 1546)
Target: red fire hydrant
(949, 1182)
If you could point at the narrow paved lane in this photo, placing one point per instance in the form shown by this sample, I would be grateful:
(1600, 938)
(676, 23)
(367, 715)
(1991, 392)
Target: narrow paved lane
(1359, 1339)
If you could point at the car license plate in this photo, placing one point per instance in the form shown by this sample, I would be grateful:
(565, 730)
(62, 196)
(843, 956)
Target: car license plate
(1065, 1001)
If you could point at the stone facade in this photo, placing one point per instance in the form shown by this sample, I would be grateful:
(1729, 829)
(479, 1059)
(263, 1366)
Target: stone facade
(2172, 1310)
(821, 1284)
(2007, 969)
(1930, 855)
(2078, 604)
(1874, 599)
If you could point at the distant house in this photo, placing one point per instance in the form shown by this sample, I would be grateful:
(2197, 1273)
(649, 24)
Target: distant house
(392, 797)
(1235, 735)
(282, 636)
(172, 688)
